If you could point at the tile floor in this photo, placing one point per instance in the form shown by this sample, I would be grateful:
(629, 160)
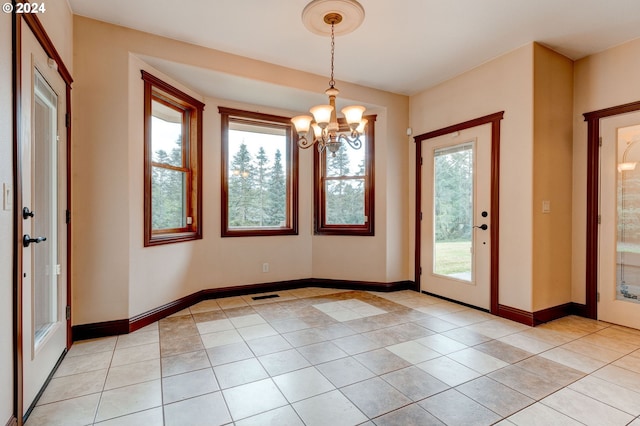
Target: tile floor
(332, 357)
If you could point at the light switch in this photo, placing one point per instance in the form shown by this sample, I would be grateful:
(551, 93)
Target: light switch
(546, 206)
(7, 196)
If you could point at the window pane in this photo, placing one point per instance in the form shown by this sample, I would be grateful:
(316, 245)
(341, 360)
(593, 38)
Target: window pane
(166, 134)
(348, 161)
(257, 176)
(453, 216)
(168, 198)
(345, 202)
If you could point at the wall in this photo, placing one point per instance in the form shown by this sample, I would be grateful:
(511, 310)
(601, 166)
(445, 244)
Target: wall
(603, 80)
(6, 223)
(114, 276)
(503, 84)
(552, 178)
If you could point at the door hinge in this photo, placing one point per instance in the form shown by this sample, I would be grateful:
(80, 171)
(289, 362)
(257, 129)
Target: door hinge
(600, 141)
(67, 120)
(421, 270)
(598, 296)
(67, 216)
(68, 312)
(421, 161)
(420, 215)
(599, 219)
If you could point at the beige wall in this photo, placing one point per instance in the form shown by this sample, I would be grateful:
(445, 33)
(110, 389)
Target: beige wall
(552, 178)
(6, 224)
(114, 276)
(604, 80)
(504, 84)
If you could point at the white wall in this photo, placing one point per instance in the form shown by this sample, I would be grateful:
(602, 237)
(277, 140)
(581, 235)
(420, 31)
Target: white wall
(503, 84)
(6, 224)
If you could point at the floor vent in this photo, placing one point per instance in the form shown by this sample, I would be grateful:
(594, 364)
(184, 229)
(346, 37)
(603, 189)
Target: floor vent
(268, 296)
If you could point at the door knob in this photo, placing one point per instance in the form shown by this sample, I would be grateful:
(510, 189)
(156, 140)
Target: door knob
(484, 226)
(26, 213)
(26, 240)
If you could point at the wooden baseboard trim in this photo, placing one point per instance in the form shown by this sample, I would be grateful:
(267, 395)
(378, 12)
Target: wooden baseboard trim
(124, 326)
(99, 329)
(12, 421)
(553, 313)
(515, 314)
(579, 309)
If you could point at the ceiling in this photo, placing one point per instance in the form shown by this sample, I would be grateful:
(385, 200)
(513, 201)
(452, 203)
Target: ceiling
(403, 46)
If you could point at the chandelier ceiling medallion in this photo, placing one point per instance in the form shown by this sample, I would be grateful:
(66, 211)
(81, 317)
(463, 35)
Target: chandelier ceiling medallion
(331, 17)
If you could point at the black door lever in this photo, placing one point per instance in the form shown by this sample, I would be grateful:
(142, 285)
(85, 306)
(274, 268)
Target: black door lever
(484, 227)
(26, 240)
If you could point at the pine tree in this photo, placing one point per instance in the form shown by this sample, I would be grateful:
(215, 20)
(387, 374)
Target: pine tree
(167, 190)
(277, 193)
(261, 187)
(241, 210)
(337, 194)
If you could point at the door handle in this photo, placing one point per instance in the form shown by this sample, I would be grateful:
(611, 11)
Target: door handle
(484, 226)
(26, 213)
(26, 240)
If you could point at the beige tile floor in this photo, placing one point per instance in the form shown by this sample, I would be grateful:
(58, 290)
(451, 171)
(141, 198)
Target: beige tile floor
(333, 357)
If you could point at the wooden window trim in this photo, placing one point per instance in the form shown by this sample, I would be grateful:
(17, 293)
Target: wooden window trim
(156, 89)
(319, 170)
(291, 165)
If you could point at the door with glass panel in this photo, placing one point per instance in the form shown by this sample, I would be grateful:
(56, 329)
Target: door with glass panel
(456, 216)
(43, 160)
(619, 277)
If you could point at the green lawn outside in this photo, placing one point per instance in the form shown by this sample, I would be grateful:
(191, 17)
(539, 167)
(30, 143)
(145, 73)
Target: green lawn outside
(452, 257)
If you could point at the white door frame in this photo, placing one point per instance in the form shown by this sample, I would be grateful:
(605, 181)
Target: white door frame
(45, 42)
(494, 228)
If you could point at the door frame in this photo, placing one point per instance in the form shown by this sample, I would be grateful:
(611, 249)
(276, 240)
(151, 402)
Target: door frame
(593, 191)
(494, 229)
(47, 45)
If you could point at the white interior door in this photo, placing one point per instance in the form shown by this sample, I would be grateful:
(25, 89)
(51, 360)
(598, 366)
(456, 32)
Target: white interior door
(456, 216)
(619, 236)
(43, 161)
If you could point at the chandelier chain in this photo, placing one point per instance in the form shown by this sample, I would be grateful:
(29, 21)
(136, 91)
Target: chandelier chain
(332, 82)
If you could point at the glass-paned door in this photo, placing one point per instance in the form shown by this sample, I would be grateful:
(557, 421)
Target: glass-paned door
(43, 160)
(456, 201)
(619, 278)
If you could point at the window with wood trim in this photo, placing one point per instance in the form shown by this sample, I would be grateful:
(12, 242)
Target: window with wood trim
(259, 174)
(172, 164)
(344, 187)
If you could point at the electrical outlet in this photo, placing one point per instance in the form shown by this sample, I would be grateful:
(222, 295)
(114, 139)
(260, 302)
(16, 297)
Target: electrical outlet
(265, 267)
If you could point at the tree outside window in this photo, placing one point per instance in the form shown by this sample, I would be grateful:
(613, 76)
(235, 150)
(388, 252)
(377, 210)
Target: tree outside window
(172, 154)
(259, 175)
(344, 190)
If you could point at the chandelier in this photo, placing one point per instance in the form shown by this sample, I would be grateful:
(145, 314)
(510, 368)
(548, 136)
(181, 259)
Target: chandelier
(323, 128)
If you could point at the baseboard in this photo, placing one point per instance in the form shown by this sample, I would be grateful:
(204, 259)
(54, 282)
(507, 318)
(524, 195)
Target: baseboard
(99, 329)
(579, 309)
(553, 313)
(543, 315)
(12, 421)
(124, 326)
(517, 315)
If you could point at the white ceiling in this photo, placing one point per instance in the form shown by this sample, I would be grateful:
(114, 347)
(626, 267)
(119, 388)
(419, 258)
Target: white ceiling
(403, 46)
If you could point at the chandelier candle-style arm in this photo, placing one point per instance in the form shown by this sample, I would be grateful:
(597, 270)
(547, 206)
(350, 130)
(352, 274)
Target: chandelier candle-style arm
(323, 128)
